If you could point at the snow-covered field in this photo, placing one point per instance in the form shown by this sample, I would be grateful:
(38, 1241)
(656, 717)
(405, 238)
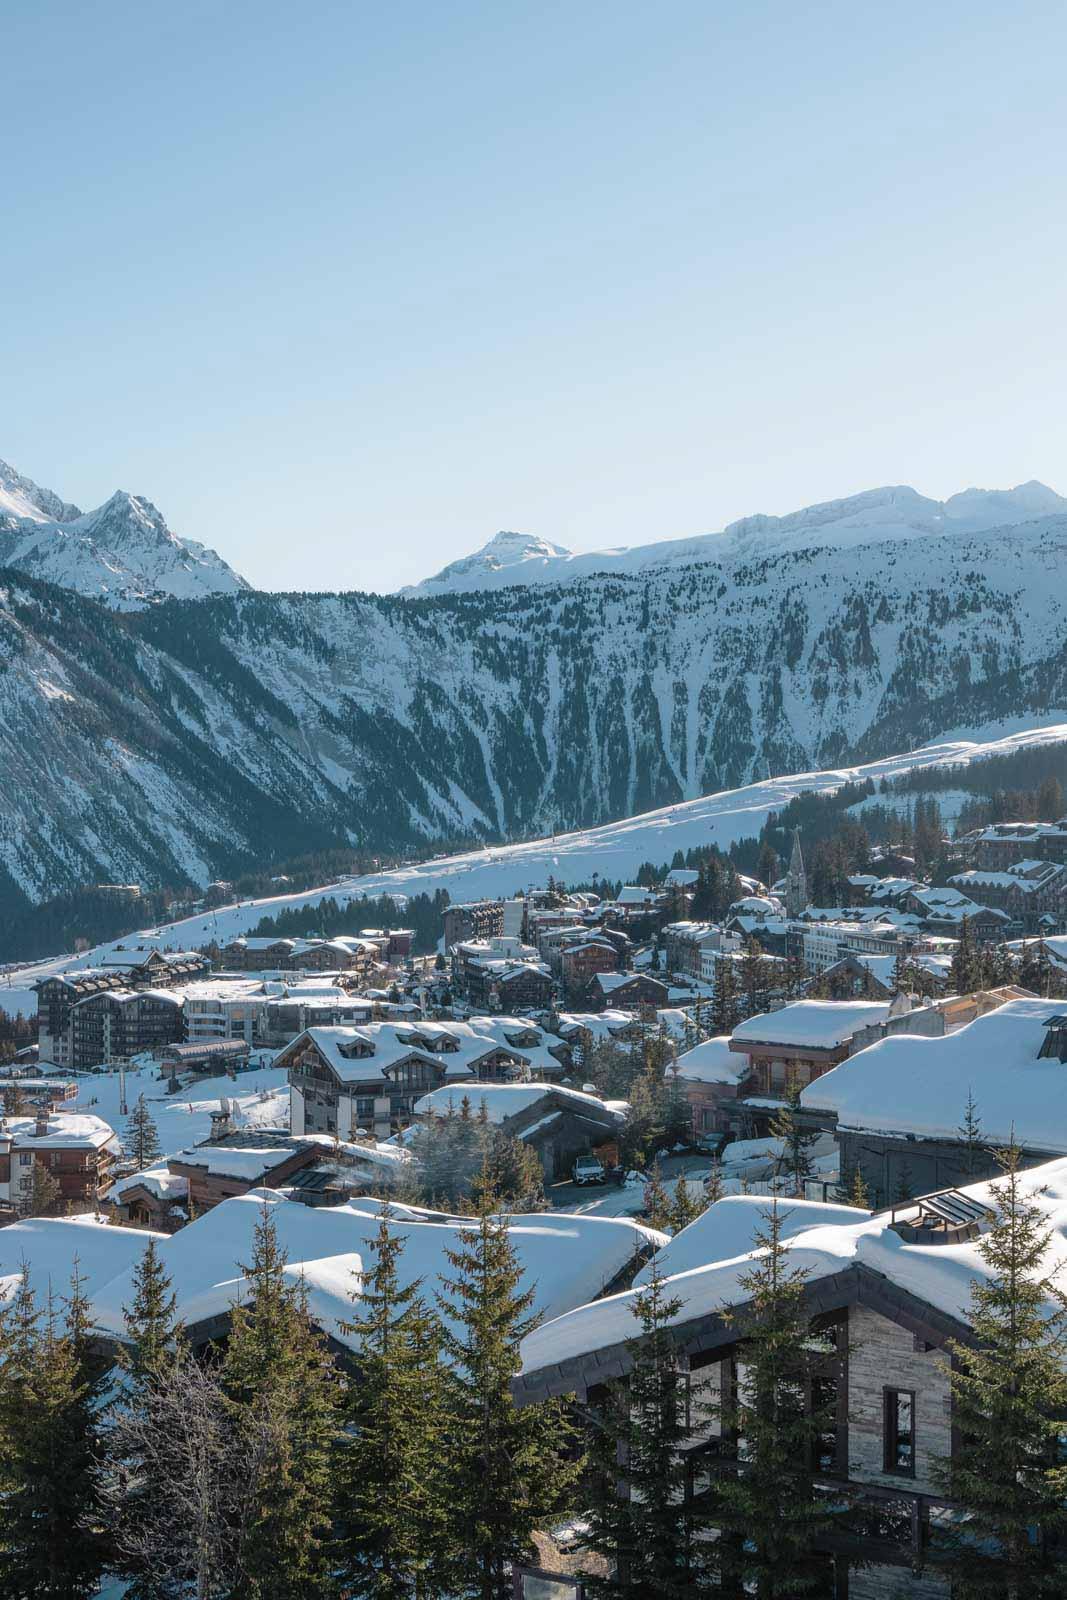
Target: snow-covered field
(260, 1099)
(615, 850)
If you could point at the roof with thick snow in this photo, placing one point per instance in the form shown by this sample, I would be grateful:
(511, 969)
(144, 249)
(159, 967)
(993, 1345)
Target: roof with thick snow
(712, 1061)
(64, 1130)
(51, 1247)
(232, 1161)
(910, 1084)
(566, 1260)
(158, 1181)
(821, 1024)
(718, 1249)
(504, 1100)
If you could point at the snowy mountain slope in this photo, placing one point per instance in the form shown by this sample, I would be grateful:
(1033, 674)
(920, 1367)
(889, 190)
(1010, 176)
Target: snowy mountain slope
(874, 516)
(615, 850)
(185, 740)
(122, 553)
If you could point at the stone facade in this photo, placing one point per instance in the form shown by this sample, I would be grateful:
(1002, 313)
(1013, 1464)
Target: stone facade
(882, 1354)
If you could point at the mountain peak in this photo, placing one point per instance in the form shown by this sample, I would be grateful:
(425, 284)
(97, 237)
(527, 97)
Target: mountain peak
(122, 553)
(521, 557)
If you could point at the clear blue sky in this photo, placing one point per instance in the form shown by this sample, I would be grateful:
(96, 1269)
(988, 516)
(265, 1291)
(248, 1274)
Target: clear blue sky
(345, 288)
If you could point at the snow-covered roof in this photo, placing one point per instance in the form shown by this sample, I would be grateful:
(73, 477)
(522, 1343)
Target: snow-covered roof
(911, 1084)
(830, 1240)
(504, 1100)
(229, 1161)
(728, 1229)
(158, 1181)
(564, 1259)
(711, 1062)
(65, 1130)
(51, 1247)
(822, 1024)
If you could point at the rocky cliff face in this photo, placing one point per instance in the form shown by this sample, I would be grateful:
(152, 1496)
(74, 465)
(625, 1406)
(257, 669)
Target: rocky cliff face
(183, 739)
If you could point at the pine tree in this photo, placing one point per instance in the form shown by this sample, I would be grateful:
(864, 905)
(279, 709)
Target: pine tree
(392, 1487)
(142, 1140)
(14, 1100)
(282, 1398)
(646, 1529)
(1008, 1392)
(508, 1467)
(714, 1187)
(964, 970)
(686, 1205)
(677, 1113)
(153, 1349)
(853, 1191)
(797, 1141)
(753, 976)
(656, 1204)
(51, 1539)
(970, 1134)
(769, 1514)
(725, 1009)
(45, 1193)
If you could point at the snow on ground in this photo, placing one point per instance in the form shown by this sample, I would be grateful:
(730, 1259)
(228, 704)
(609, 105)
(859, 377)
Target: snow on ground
(615, 850)
(260, 1099)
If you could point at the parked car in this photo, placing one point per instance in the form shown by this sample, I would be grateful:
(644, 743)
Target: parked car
(587, 1169)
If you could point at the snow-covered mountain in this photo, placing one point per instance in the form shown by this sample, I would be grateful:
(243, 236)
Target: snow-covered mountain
(122, 553)
(189, 739)
(890, 514)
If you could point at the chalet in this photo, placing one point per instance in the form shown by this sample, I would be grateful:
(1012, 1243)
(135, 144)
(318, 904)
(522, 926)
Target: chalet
(626, 991)
(799, 1042)
(583, 960)
(898, 1106)
(237, 1162)
(344, 953)
(887, 1298)
(341, 1079)
(75, 1149)
(1032, 893)
(1002, 844)
(119, 969)
(34, 1093)
(121, 1023)
(477, 919)
(558, 1123)
(685, 944)
(500, 974)
(155, 1198)
(944, 910)
(711, 1076)
(858, 978)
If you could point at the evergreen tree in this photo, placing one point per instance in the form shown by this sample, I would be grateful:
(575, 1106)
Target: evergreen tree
(769, 1515)
(725, 1009)
(714, 1188)
(677, 1113)
(797, 1141)
(507, 1467)
(686, 1205)
(392, 1487)
(281, 1394)
(14, 1100)
(754, 983)
(656, 1203)
(970, 1134)
(852, 1191)
(142, 1141)
(147, 1360)
(1008, 1390)
(646, 1529)
(51, 1539)
(965, 969)
(45, 1194)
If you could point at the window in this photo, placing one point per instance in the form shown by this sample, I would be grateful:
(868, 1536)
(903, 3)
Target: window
(899, 1431)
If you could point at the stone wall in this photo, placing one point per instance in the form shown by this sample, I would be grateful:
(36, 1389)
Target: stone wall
(882, 1355)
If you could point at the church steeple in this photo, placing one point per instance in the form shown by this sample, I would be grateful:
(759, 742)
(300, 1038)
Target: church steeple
(796, 881)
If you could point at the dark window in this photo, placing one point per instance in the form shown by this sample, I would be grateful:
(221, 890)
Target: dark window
(900, 1431)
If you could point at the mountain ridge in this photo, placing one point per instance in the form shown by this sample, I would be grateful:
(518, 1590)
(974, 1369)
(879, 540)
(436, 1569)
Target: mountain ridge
(121, 553)
(890, 513)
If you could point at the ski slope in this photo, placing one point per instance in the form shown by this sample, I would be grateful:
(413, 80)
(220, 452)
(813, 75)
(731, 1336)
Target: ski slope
(613, 851)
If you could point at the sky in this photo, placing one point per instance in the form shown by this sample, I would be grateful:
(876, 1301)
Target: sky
(346, 288)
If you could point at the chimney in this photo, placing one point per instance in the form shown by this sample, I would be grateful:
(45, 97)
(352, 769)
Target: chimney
(40, 1127)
